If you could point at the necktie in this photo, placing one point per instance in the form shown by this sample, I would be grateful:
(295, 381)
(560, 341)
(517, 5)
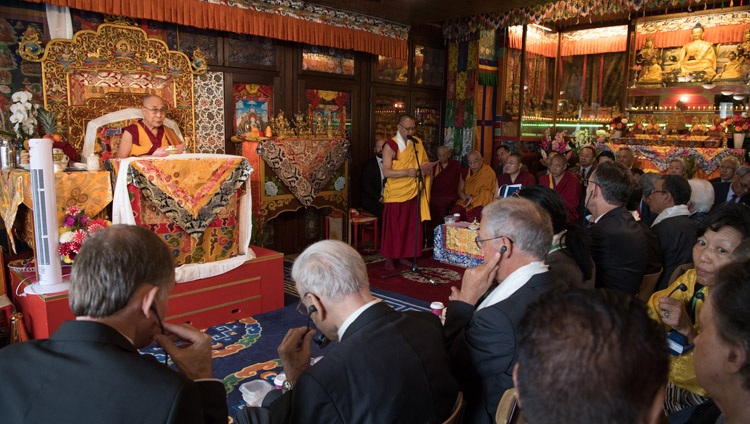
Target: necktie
(733, 199)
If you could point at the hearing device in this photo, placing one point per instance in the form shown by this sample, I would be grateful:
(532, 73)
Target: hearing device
(503, 250)
(320, 339)
(311, 309)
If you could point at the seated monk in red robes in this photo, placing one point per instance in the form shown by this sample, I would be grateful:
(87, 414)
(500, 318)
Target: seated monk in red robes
(476, 188)
(564, 183)
(445, 177)
(514, 173)
(149, 136)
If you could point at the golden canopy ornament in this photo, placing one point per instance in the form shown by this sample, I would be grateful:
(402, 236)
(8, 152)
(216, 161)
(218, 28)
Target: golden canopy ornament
(110, 69)
(30, 47)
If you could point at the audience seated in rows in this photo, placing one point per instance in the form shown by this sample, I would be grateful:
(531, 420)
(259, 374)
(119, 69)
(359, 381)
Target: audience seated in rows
(701, 199)
(678, 306)
(722, 349)
(476, 188)
(514, 173)
(590, 356)
(727, 167)
(387, 367)
(444, 192)
(90, 370)
(502, 153)
(564, 183)
(619, 245)
(647, 183)
(673, 227)
(677, 166)
(738, 191)
(481, 330)
(569, 258)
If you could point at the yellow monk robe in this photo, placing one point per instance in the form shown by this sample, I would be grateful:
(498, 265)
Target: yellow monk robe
(145, 143)
(398, 190)
(682, 368)
(481, 186)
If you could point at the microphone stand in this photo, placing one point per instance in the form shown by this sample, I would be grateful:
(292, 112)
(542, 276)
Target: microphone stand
(420, 186)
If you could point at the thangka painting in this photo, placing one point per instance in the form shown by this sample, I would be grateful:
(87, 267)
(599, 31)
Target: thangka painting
(252, 109)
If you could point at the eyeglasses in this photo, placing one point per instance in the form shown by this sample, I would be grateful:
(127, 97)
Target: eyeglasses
(659, 191)
(478, 241)
(155, 111)
(408, 129)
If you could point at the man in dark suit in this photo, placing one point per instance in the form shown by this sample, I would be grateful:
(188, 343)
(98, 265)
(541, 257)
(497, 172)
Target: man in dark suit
(481, 322)
(738, 191)
(677, 233)
(372, 182)
(727, 168)
(89, 371)
(388, 366)
(619, 245)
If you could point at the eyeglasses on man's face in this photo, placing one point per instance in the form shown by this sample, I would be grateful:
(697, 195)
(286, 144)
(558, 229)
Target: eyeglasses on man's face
(407, 129)
(478, 240)
(157, 111)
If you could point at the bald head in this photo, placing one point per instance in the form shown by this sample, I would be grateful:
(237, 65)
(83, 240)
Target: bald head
(475, 161)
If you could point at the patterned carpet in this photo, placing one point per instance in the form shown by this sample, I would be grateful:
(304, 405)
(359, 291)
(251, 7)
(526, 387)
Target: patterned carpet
(245, 350)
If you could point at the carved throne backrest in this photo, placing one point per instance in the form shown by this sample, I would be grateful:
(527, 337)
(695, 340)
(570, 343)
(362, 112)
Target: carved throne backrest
(110, 69)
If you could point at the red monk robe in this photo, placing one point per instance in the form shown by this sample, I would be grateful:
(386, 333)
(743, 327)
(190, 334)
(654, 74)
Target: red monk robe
(146, 143)
(444, 191)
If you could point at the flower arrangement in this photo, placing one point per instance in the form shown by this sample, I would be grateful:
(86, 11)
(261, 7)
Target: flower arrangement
(618, 123)
(637, 128)
(737, 124)
(23, 117)
(581, 139)
(76, 228)
(558, 144)
(601, 136)
(262, 232)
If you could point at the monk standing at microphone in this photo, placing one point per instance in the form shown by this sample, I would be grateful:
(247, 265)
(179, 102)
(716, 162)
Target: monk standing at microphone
(404, 162)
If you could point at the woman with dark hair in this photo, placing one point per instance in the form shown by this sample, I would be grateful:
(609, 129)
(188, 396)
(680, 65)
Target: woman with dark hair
(722, 349)
(569, 257)
(678, 306)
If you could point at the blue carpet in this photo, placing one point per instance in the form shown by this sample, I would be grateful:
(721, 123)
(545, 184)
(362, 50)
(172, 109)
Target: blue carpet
(245, 350)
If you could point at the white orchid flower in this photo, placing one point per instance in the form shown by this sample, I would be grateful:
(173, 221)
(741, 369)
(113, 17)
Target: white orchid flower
(18, 96)
(26, 105)
(17, 108)
(16, 118)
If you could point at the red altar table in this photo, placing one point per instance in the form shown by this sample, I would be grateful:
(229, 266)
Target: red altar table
(255, 287)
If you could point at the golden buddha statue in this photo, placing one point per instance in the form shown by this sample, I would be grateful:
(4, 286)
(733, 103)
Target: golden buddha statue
(697, 55)
(743, 50)
(733, 69)
(652, 73)
(646, 53)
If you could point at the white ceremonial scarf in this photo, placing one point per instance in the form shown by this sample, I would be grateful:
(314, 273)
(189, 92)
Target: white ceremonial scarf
(513, 282)
(677, 210)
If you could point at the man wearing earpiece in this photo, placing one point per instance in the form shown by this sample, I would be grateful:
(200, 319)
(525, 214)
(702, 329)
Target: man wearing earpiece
(89, 371)
(481, 321)
(388, 366)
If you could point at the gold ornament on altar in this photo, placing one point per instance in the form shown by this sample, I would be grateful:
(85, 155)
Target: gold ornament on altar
(280, 126)
(301, 125)
(198, 63)
(30, 48)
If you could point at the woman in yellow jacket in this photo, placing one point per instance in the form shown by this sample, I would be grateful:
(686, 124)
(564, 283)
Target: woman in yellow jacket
(678, 306)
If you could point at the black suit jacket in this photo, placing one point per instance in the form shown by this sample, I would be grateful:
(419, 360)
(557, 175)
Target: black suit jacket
(620, 250)
(390, 367)
(677, 236)
(88, 372)
(482, 346)
(721, 191)
(371, 186)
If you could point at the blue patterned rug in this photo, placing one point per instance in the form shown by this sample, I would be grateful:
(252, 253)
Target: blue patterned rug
(245, 350)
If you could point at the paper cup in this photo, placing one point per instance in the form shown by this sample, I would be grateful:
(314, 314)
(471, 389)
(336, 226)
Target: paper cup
(437, 308)
(278, 381)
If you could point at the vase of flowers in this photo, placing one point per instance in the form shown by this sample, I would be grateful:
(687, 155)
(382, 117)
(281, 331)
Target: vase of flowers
(618, 124)
(738, 125)
(76, 228)
(23, 118)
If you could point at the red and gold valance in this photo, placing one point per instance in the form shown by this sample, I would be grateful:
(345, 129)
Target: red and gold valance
(718, 28)
(200, 14)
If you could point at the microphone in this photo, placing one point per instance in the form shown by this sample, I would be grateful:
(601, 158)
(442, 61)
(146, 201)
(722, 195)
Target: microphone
(412, 139)
(681, 287)
(699, 295)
